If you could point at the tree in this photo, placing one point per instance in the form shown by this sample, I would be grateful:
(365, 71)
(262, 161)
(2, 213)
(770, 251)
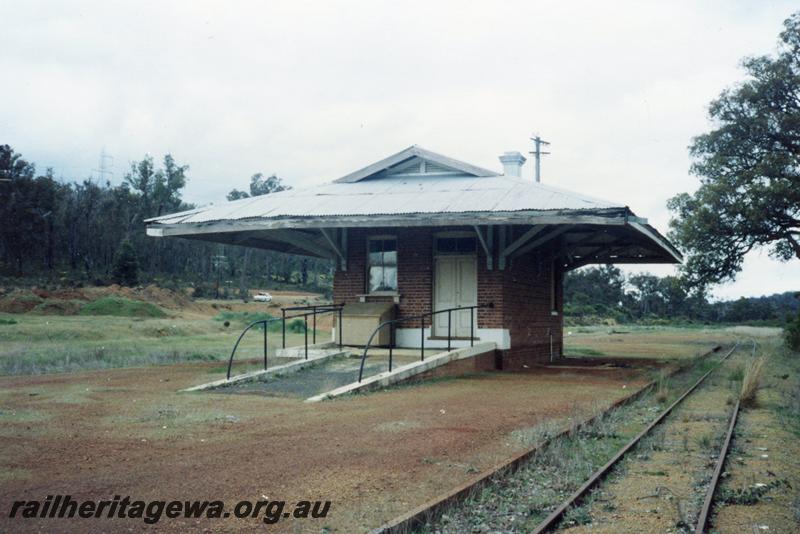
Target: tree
(791, 333)
(168, 184)
(160, 189)
(12, 166)
(595, 291)
(749, 169)
(71, 231)
(142, 179)
(646, 291)
(126, 267)
(259, 185)
(235, 194)
(26, 210)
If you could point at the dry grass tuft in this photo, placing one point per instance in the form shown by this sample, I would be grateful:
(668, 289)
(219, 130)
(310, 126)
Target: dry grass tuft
(662, 389)
(751, 381)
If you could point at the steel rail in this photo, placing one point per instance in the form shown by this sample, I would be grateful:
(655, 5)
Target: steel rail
(553, 519)
(705, 512)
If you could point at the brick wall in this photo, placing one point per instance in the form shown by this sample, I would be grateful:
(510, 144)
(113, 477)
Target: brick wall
(527, 312)
(415, 271)
(520, 293)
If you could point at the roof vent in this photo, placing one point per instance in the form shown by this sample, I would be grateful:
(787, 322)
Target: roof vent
(512, 163)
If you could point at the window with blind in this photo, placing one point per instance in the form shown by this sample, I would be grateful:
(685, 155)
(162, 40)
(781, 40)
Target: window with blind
(382, 271)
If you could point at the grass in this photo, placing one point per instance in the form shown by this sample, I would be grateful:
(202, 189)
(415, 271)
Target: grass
(578, 515)
(121, 307)
(245, 318)
(585, 351)
(736, 374)
(772, 426)
(751, 382)
(784, 379)
(242, 317)
(637, 341)
(36, 344)
(750, 495)
(704, 442)
(7, 322)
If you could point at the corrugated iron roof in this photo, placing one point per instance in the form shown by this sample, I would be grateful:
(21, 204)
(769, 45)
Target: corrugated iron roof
(395, 195)
(391, 192)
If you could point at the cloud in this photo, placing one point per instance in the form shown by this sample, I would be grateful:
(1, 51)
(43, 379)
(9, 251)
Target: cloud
(312, 91)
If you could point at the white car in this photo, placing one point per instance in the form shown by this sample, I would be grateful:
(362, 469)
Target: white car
(263, 296)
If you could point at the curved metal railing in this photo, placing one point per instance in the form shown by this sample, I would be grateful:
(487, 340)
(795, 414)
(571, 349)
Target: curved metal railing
(421, 319)
(309, 311)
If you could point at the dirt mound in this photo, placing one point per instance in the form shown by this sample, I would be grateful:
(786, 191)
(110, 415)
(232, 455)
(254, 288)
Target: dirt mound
(166, 298)
(54, 306)
(19, 301)
(68, 301)
(61, 294)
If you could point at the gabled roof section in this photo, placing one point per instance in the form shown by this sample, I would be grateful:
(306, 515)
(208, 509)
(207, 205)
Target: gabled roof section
(431, 163)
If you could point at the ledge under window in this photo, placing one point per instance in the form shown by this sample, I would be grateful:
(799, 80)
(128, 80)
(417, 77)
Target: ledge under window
(394, 295)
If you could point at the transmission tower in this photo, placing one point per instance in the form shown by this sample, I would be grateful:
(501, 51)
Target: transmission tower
(105, 167)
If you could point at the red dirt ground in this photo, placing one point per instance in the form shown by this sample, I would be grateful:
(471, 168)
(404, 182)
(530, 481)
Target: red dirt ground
(94, 435)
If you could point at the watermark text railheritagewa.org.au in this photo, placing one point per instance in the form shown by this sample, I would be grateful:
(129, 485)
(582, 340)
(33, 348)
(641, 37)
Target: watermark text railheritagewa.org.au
(151, 512)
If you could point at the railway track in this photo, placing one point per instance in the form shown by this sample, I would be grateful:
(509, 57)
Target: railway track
(553, 520)
(708, 502)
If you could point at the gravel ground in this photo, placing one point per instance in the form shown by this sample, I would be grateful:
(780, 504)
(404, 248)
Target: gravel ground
(322, 377)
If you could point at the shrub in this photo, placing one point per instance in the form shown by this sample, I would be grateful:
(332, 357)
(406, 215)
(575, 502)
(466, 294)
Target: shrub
(244, 317)
(122, 307)
(791, 333)
(203, 291)
(126, 267)
(296, 326)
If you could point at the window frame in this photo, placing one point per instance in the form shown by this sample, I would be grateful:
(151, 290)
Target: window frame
(454, 235)
(382, 292)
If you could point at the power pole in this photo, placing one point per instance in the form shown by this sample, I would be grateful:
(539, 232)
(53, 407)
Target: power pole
(537, 154)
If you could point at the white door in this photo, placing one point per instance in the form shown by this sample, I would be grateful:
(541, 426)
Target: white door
(455, 284)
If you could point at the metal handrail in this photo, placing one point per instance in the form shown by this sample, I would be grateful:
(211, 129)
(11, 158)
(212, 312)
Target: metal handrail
(421, 319)
(314, 310)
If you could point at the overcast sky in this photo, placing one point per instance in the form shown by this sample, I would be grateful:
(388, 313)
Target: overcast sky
(314, 90)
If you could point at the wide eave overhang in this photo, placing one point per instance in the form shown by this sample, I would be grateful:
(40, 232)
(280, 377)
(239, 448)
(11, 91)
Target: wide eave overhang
(578, 237)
